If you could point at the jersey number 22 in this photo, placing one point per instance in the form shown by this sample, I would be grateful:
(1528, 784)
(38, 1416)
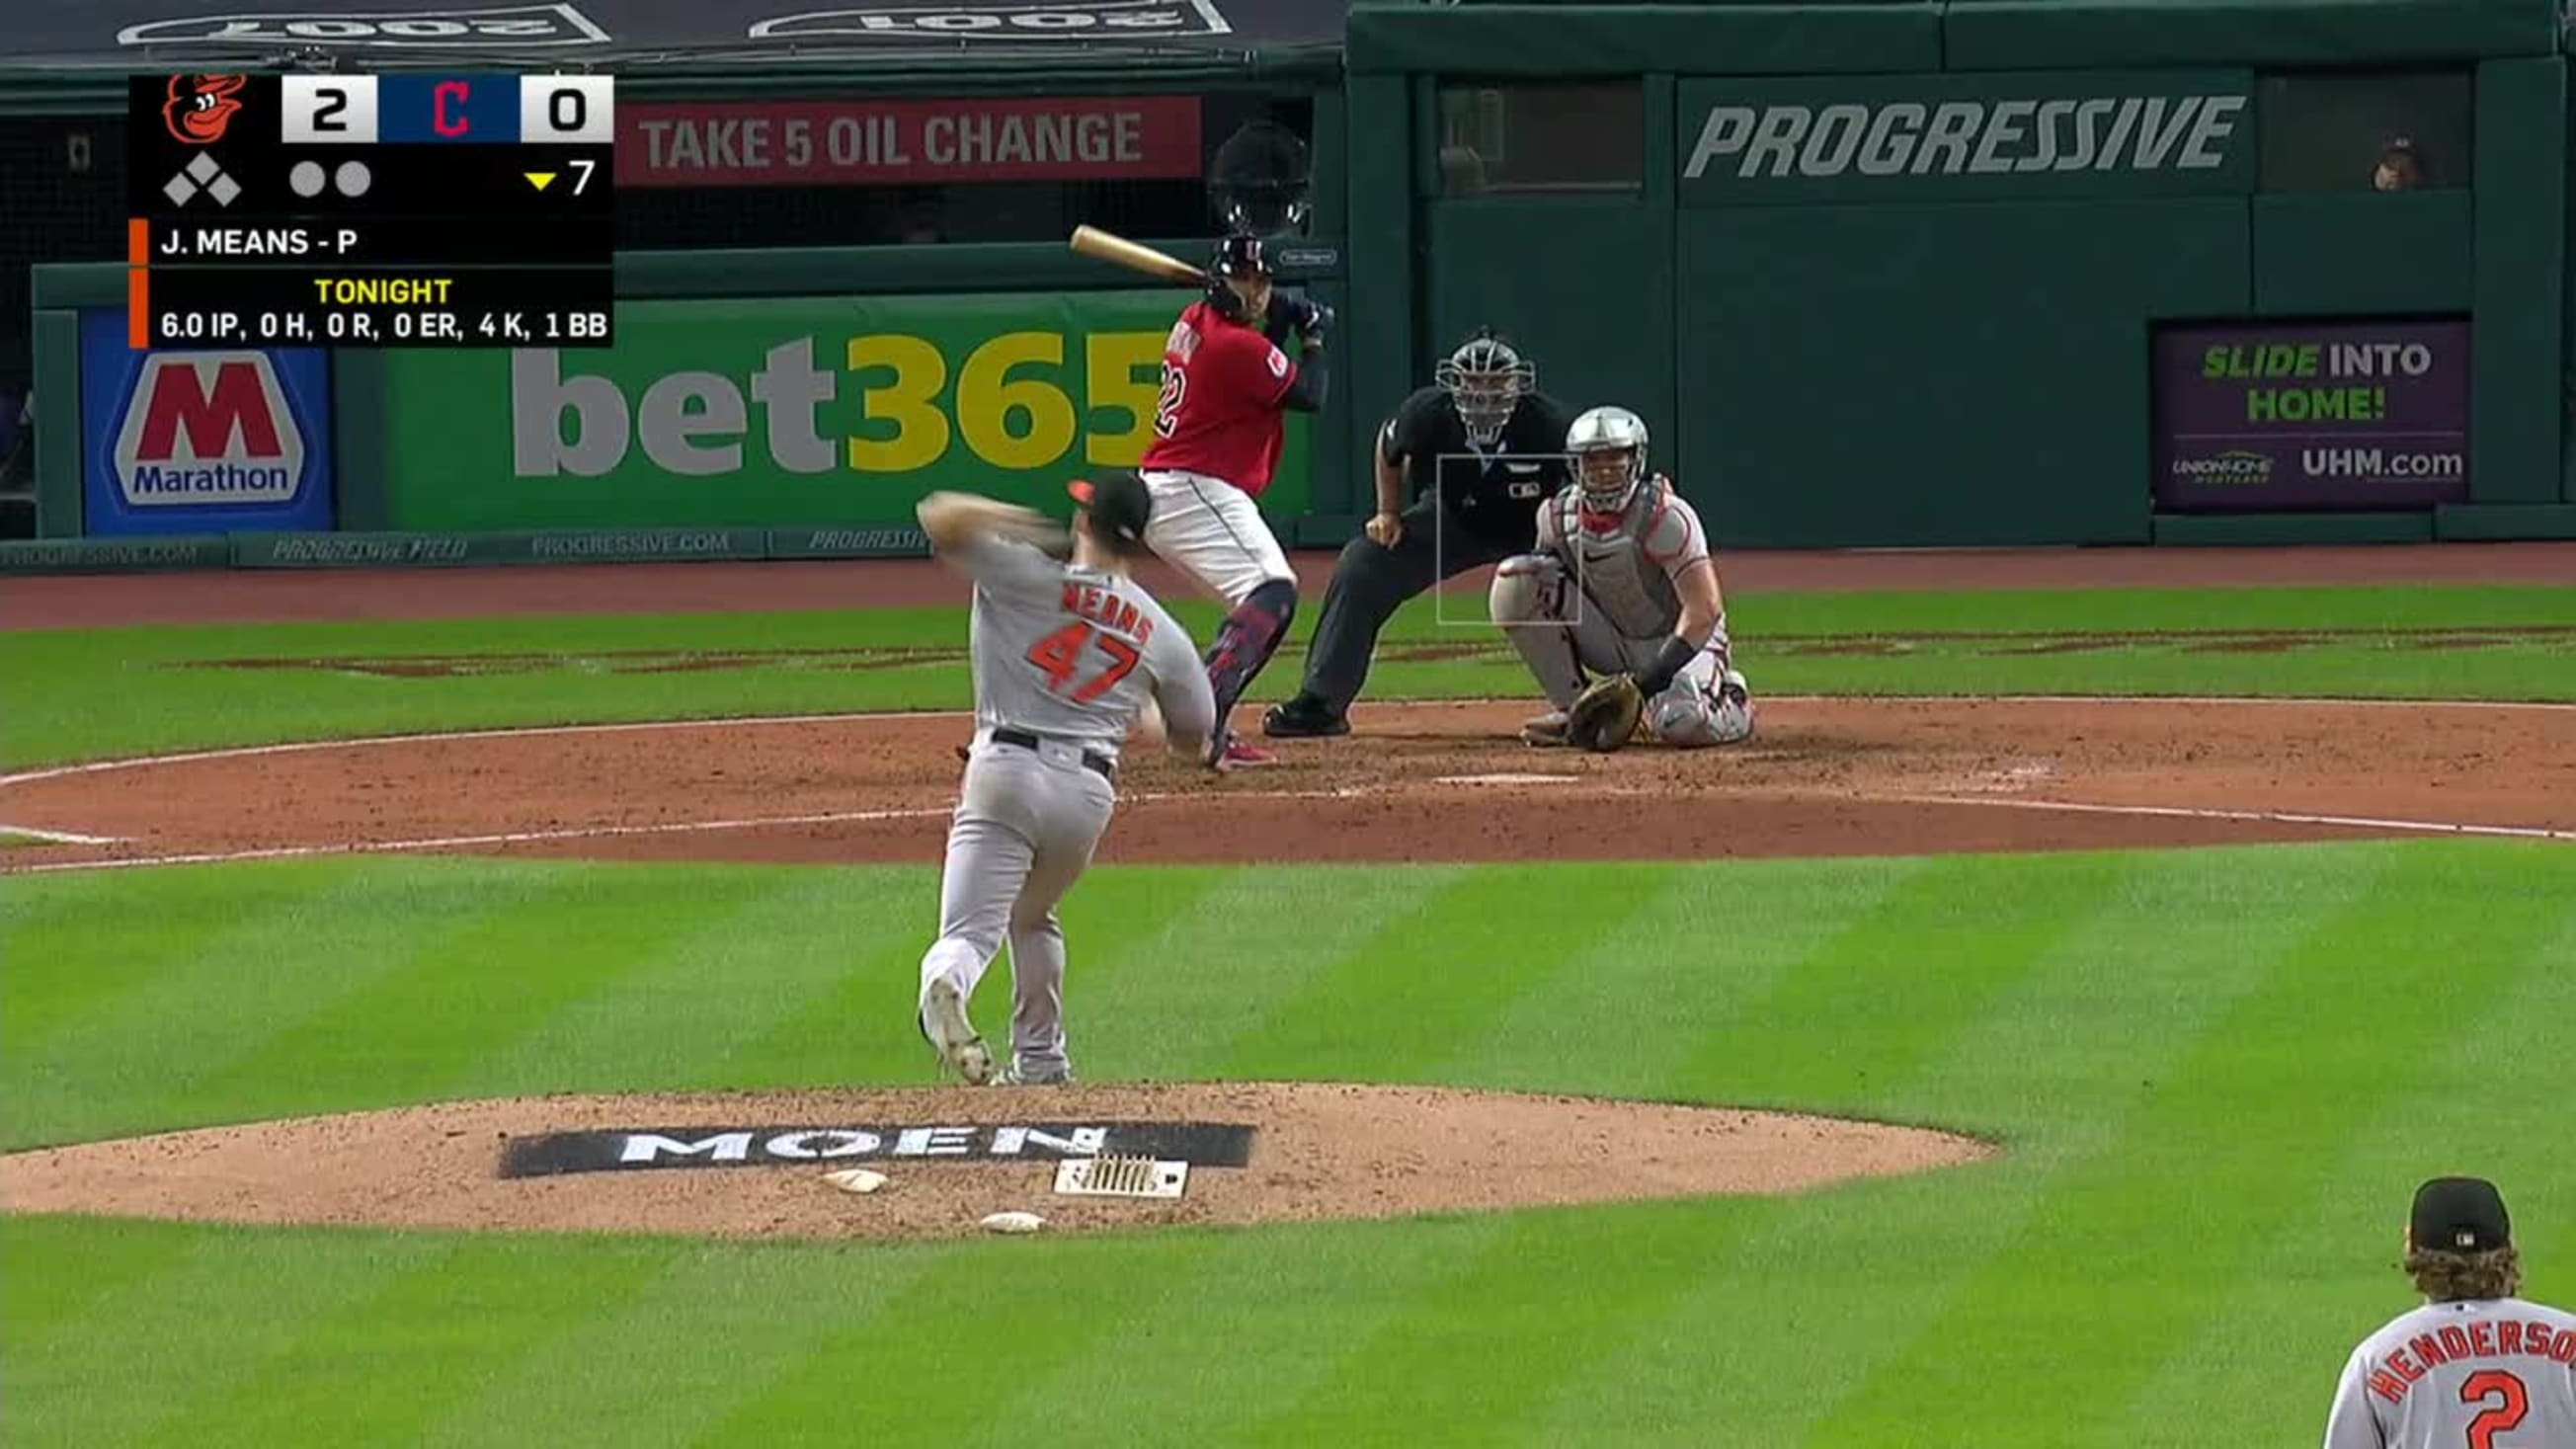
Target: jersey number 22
(1059, 656)
(1167, 407)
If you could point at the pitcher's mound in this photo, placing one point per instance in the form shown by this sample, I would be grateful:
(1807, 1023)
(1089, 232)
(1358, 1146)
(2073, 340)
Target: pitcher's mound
(755, 1164)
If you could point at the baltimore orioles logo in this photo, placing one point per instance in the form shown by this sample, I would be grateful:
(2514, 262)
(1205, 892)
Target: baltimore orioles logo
(201, 106)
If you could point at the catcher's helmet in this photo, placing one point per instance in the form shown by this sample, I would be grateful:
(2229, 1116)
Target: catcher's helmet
(1609, 450)
(1237, 256)
(1485, 379)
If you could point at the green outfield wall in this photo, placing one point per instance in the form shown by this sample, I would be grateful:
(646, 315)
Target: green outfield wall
(1919, 272)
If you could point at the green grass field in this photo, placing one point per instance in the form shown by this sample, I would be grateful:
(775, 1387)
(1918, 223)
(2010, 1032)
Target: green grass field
(2216, 1074)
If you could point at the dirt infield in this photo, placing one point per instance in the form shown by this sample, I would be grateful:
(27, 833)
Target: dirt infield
(1422, 782)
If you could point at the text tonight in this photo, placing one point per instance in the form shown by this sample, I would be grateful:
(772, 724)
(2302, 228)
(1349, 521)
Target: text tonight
(387, 291)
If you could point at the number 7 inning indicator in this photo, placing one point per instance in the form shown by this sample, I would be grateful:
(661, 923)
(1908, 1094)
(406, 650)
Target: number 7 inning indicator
(583, 168)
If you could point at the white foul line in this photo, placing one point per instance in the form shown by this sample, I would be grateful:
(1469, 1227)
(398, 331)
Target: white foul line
(597, 832)
(56, 837)
(2276, 817)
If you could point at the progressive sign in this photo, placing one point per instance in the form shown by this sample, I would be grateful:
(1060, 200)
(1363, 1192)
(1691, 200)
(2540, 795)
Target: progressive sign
(1967, 137)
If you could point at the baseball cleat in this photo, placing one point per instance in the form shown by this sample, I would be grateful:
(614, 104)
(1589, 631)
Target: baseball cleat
(1304, 717)
(1545, 732)
(943, 1021)
(1017, 1075)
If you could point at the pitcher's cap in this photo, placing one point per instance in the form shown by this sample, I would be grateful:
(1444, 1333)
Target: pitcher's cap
(2459, 1215)
(1119, 505)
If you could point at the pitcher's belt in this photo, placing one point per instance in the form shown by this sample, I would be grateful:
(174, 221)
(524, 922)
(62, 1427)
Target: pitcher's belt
(1022, 739)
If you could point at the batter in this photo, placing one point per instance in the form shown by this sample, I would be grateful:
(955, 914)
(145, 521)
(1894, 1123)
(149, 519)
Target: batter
(1065, 657)
(1622, 583)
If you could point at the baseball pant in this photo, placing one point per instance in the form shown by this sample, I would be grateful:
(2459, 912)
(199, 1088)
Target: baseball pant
(1563, 636)
(1371, 581)
(1022, 834)
(1214, 532)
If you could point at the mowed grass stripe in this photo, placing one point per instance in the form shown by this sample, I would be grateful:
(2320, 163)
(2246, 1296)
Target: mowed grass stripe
(143, 1356)
(926, 1364)
(681, 1012)
(378, 1366)
(1437, 975)
(2054, 1064)
(2273, 1337)
(663, 1365)
(1233, 958)
(1546, 1297)
(2226, 1151)
(1634, 1003)
(53, 1268)
(80, 944)
(545, 940)
(192, 1042)
(1255, 1323)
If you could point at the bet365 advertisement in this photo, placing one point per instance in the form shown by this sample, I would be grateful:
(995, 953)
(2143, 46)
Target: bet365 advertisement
(788, 411)
(184, 441)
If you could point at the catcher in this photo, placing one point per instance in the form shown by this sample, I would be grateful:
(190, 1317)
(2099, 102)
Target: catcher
(1618, 612)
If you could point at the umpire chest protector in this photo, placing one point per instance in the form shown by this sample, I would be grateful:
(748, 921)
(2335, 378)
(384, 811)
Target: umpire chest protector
(1495, 493)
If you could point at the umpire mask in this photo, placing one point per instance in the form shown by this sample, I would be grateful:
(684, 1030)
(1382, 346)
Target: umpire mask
(1485, 379)
(1259, 181)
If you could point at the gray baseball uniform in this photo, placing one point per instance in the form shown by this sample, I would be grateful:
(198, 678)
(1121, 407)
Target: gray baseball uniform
(1602, 594)
(2497, 1373)
(1064, 660)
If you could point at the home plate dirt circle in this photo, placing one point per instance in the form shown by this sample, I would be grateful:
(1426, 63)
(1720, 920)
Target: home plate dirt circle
(755, 1165)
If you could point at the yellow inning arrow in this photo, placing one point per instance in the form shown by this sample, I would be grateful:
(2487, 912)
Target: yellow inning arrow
(539, 179)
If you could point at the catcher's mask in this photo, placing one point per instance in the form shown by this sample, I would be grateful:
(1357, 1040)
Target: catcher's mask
(1239, 260)
(1485, 379)
(1608, 446)
(1259, 181)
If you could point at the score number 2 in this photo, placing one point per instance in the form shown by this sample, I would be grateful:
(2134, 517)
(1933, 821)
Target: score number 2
(1059, 657)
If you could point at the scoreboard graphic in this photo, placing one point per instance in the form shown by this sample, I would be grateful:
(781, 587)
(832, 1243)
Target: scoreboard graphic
(416, 210)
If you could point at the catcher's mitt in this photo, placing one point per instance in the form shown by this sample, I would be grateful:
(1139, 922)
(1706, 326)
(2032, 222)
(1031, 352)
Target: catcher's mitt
(1605, 715)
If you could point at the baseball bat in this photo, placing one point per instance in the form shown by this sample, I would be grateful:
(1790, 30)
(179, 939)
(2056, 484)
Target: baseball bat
(1091, 241)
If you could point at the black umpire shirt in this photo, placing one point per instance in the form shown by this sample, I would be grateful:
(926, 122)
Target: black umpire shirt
(1493, 496)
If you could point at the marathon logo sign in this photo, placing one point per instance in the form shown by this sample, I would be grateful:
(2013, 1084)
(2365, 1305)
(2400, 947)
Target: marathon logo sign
(648, 1149)
(209, 427)
(202, 441)
(1968, 137)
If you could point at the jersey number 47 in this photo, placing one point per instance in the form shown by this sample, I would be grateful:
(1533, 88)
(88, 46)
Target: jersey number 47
(1059, 657)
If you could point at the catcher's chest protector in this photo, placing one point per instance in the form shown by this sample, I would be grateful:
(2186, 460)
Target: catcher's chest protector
(1615, 558)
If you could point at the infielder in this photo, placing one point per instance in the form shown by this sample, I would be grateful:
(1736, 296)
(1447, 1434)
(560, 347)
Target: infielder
(1217, 435)
(1065, 657)
(1622, 584)
(2475, 1367)
(1481, 448)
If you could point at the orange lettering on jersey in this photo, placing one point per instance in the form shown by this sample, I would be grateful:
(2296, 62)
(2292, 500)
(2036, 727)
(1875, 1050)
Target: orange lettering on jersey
(2482, 1339)
(1144, 630)
(2508, 1337)
(2388, 1386)
(2405, 1366)
(2454, 1342)
(2429, 1349)
(2535, 1339)
(2564, 1350)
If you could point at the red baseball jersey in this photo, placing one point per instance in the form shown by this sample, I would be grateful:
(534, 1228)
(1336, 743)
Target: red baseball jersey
(1219, 414)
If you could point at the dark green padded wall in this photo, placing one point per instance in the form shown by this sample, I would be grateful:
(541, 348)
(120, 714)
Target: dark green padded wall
(2364, 254)
(1583, 287)
(1942, 374)
(2061, 34)
(2517, 412)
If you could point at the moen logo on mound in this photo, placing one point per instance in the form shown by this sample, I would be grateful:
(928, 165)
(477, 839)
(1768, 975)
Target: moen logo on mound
(209, 427)
(1043, 20)
(1201, 1144)
(504, 27)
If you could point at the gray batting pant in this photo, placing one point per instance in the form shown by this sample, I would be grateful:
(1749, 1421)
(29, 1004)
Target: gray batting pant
(1022, 834)
(1371, 581)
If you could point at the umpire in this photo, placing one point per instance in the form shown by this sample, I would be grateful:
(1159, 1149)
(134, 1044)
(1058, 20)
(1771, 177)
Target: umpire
(1493, 447)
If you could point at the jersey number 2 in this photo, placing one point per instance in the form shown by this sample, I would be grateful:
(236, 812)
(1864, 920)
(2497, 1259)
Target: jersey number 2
(1060, 655)
(1167, 408)
(2507, 1402)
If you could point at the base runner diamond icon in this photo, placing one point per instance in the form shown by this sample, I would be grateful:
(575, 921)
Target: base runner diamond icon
(203, 175)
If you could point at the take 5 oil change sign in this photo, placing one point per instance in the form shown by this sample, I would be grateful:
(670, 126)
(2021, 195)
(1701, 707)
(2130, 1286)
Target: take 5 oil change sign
(188, 441)
(788, 412)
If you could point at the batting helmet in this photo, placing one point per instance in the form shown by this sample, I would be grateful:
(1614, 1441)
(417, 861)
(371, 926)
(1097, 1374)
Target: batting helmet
(1236, 257)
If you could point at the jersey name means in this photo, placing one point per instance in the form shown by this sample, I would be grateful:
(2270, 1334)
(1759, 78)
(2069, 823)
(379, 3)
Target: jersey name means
(1106, 609)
